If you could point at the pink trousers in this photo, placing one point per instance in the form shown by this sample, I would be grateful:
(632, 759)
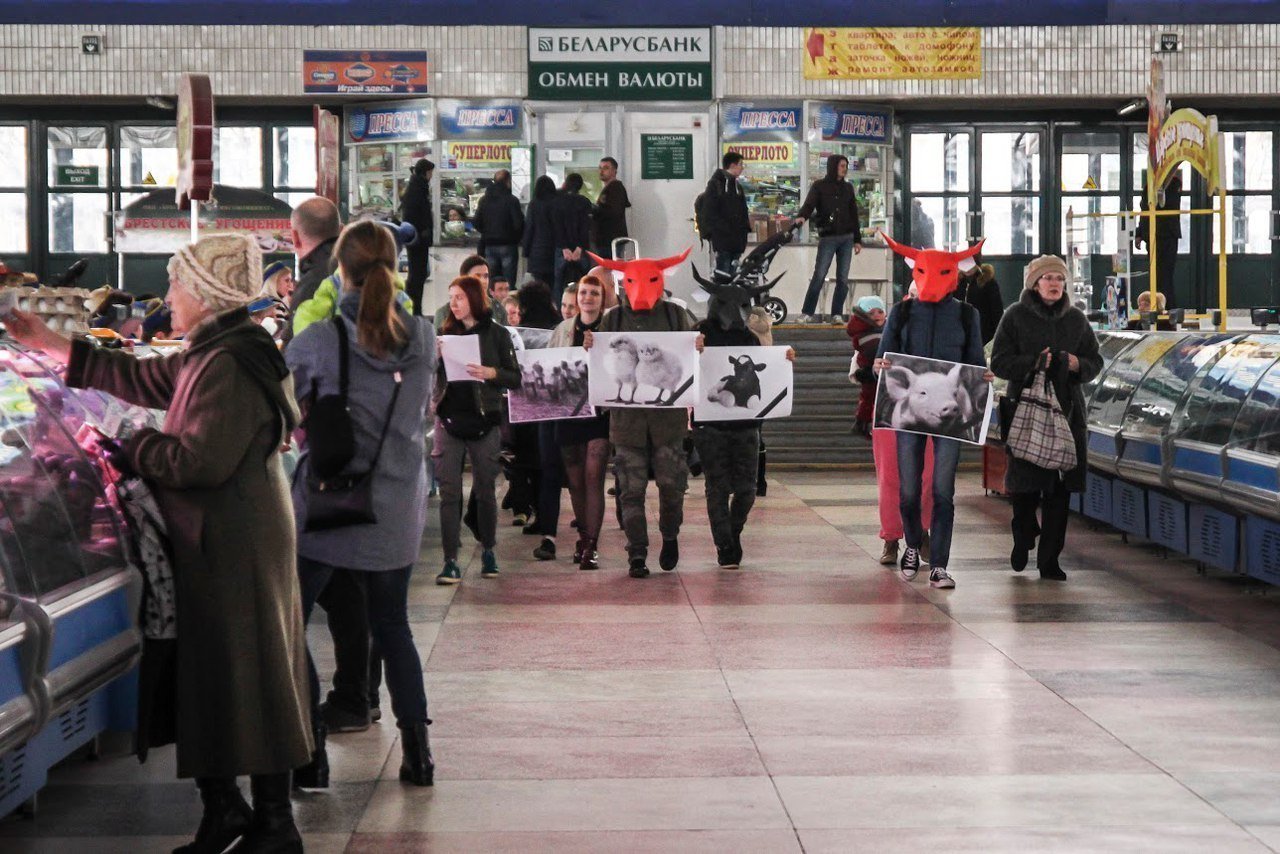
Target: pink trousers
(884, 449)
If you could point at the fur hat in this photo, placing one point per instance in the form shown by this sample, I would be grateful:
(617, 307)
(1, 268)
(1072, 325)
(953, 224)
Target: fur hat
(222, 271)
(1044, 264)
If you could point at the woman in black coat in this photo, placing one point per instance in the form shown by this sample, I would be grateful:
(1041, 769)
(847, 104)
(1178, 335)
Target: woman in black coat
(1043, 324)
(539, 232)
(982, 291)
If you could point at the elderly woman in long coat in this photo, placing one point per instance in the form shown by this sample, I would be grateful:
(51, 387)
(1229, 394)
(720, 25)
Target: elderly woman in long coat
(216, 470)
(1044, 328)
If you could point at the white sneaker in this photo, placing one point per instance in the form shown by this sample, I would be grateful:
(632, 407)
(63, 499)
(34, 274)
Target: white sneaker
(940, 579)
(910, 563)
(808, 318)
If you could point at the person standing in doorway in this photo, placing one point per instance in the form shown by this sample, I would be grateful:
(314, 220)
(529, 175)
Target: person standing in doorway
(1168, 234)
(539, 242)
(609, 214)
(726, 207)
(415, 209)
(501, 225)
(832, 208)
(571, 217)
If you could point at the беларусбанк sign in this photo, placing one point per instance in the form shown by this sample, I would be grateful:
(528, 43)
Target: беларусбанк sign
(645, 64)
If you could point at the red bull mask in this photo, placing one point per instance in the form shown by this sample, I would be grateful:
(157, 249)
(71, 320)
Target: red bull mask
(935, 273)
(644, 278)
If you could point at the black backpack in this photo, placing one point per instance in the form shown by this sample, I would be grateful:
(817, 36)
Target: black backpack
(702, 216)
(331, 440)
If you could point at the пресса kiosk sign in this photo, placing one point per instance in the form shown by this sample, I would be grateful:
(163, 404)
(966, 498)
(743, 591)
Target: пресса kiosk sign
(641, 64)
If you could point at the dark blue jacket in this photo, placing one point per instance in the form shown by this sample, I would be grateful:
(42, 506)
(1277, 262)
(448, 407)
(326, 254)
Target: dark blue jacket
(934, 330)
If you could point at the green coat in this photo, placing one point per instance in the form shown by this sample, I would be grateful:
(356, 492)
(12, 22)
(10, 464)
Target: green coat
(215, 469)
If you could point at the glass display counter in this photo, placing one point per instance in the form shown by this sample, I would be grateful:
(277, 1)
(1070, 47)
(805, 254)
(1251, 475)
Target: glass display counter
(379, 175)
(382, 142)
(1112, 393)
(869, 175)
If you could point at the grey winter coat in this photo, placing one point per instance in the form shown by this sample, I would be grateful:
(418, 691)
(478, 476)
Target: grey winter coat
(1027, 328)
(400, 480)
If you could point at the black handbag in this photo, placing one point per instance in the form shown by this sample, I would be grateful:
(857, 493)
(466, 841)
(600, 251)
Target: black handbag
(331, 440)
(466, 426)
(344, 500)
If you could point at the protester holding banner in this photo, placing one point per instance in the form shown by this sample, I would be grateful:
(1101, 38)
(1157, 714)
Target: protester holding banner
(934, 325)
(1043, 329)
(538, 312)
(584, 443)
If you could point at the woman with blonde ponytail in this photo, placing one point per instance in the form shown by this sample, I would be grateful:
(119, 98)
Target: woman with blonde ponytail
(391, 358)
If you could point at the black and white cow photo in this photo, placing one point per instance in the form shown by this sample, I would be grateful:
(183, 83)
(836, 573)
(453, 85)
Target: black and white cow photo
(940, 398)
(740, 383)
(644, 369)
(553, 385)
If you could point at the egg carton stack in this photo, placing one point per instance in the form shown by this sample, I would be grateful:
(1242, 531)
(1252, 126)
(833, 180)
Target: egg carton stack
(62, 309)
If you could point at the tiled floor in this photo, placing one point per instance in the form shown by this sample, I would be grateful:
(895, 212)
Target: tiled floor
(811, 701)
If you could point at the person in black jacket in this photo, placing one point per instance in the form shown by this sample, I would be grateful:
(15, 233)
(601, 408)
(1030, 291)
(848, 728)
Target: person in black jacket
(501, 225)
(982, 291)
(415, 209)
(315, 224)
(833, 208)
(571, 216)
(609, 213)
(726, 207)
(539, 232)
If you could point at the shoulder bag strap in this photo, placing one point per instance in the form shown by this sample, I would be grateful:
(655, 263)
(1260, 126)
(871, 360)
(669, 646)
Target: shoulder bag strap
(344, 358)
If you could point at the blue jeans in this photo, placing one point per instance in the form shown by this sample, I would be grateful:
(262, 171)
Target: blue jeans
(727, 262)
(839, 247)
(387, 594)
(503, 261)
(946, 454)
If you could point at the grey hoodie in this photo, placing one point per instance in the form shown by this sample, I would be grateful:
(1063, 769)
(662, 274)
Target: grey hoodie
(400, 482)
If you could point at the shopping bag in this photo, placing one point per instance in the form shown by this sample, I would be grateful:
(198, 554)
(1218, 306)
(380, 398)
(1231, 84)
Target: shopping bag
(1040, 433)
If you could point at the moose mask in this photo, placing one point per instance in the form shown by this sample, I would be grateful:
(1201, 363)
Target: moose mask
(643, 278)
(936, 273)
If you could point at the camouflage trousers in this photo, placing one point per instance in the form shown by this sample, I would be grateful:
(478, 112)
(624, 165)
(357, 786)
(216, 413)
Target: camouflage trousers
(730, 459)
(671, 472)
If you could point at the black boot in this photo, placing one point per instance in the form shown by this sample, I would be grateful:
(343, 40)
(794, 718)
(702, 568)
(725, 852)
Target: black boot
(417, 766)
(226, 816)
(273, 830)
(315, 774)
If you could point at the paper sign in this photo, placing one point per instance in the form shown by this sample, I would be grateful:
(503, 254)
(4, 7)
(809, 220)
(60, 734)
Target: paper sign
(630, 370)
(553, 386)
(934, 397)
(458, 351)
(743, 383)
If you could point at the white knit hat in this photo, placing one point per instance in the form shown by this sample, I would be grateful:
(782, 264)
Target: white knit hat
(222, 271)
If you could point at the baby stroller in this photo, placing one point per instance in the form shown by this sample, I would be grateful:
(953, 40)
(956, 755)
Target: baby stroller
(751, 273)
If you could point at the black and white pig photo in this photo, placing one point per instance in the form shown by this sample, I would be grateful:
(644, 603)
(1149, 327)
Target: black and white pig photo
(553, 385)
(741, 383)
(940, 398)
(644, 369)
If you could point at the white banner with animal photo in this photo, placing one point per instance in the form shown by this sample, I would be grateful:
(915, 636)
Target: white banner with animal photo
(741, 383)
(934, 397)
(650, 370)
(553, 386)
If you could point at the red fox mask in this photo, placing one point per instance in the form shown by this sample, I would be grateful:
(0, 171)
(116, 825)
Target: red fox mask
(643, 278)
(936, 273)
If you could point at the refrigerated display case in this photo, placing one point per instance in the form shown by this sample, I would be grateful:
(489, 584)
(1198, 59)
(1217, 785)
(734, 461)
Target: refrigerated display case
(383, 142)
(68, 597)
(769, 136)
(1112, 393)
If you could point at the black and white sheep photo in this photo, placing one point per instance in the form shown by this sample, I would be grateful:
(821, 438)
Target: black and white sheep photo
(553, 385)
(741, 383)
(644, 369)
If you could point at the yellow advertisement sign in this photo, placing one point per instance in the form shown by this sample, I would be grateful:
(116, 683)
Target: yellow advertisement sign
(1188, 137)
(892, 53)
(763, 152)
(471, 155)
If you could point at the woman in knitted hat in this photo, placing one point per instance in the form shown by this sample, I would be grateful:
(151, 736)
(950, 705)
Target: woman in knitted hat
(216, 472)
(277, 285)
(1044, 329)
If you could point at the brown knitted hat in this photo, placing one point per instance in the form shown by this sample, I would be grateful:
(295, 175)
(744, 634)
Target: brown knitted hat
(222, 271)
(1040, 266)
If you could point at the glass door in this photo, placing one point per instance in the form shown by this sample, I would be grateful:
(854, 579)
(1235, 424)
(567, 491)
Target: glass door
(79, 202)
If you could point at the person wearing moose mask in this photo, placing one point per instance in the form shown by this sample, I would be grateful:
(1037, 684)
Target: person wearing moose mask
(935, 325)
